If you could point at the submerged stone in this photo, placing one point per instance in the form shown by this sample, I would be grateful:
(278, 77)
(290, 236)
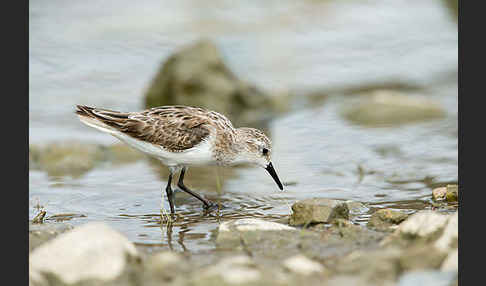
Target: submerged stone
(387, 107)
(75, 158)
(68, 158)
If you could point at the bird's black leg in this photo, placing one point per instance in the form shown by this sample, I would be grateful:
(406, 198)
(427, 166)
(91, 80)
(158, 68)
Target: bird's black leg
(180, 184)
(170, 193)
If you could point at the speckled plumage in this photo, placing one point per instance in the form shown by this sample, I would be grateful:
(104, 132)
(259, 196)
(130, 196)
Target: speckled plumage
(182, 136)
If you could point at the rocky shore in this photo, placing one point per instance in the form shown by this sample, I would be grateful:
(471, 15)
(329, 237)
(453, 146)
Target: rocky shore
(318, 245)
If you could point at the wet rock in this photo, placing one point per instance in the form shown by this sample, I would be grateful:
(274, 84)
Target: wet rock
(386, 107)
(197, 76)
(92, 251)
(452, 193)
(356, 208)
(302, 265)
(385, 219)
(345, 230)
(318, 210)
(448, 193)
(271, 240)
(439, 194)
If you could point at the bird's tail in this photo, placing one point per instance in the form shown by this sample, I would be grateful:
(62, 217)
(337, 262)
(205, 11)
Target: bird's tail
(102, 119)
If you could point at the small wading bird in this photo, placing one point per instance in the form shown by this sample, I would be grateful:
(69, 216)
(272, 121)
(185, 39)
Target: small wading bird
(182, 136)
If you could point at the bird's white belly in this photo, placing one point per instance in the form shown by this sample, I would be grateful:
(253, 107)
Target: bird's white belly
(198, 155)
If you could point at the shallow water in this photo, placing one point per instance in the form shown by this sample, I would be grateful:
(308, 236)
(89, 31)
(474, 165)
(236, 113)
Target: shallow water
(102, 54)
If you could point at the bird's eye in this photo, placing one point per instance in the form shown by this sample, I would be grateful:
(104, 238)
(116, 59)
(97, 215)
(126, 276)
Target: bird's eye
(265, 151)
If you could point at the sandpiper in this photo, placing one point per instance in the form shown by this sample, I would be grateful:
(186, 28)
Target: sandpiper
(183, 136)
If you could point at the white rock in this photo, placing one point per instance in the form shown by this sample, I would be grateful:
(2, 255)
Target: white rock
(450, 236)
(451, 262)
(422, 223)
(251, 224)
(90, 251)
(302, 265)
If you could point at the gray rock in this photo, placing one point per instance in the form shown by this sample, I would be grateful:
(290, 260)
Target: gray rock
(197, 76)
(318, 210)
(92, 251)
(385, 219)
(386, 107)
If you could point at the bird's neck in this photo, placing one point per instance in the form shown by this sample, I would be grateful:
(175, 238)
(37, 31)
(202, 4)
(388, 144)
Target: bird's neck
(229, 147)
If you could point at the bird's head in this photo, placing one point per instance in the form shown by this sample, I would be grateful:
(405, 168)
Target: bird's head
(256, 148)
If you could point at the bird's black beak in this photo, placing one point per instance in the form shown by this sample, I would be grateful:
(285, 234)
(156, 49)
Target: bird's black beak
(272, 172)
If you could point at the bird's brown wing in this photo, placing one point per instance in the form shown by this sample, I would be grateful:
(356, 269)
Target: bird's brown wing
(176, 128)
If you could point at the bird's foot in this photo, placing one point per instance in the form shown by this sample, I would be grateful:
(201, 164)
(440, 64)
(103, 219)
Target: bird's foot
(211, 206)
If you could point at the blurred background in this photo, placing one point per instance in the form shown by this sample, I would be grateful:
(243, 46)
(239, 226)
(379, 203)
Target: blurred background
(358, 97)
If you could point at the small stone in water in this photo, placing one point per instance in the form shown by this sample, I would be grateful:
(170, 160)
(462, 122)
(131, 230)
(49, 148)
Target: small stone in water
(439, 194)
